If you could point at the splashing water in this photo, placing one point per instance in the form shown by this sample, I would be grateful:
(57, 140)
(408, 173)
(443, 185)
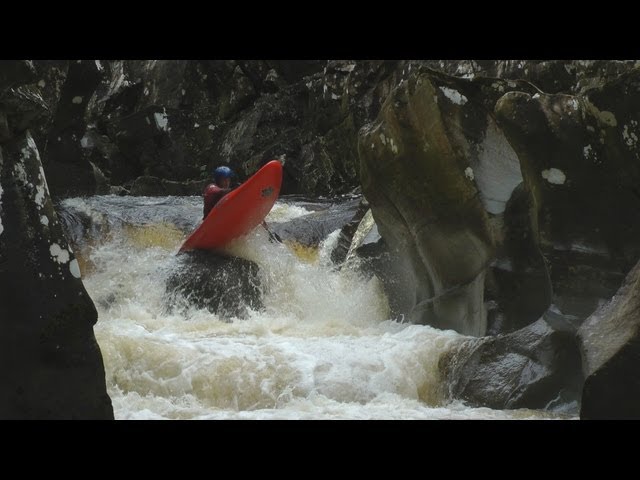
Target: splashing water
(323, 347)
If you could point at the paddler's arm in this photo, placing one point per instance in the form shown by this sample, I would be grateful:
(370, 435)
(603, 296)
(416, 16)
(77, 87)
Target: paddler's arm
(272, 235)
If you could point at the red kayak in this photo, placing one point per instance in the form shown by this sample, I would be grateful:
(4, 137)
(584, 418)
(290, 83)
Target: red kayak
(239, 211)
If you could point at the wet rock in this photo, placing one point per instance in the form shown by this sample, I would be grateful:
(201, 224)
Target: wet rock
(534, 367)
(225, 285)
(610, 349)
(345, 240)
(311, 229)
(518, 286)
(416, 176)
(51, 363)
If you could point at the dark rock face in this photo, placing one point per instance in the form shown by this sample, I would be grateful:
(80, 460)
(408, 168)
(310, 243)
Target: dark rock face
(518, 287)
(21, 104)
(579, 163)
(534, 193)
(610, 351)
(144, 140)
(224, 285)
(177, 120)
(535, 367)
(241, 113)
(68, 169)
(551, 76)
(51, 363)
(16, 73)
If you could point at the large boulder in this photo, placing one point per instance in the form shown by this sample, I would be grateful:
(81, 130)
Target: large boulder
(534, 367)
(498, 197)
(417, 164)
(610, 349)
(225, 285)
(51, 365)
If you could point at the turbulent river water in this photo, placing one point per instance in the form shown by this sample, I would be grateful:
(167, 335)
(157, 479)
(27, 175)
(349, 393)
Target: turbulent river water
(323, 347)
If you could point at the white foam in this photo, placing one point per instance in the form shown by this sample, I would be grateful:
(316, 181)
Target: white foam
(283, 213)
(322, 347)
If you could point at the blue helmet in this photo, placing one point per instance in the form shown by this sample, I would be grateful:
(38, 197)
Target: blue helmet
(222, 172)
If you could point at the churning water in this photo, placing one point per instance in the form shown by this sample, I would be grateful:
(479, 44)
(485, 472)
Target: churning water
(323, 347)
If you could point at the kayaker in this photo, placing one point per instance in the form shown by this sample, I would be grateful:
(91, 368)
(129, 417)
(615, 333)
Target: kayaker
(219, 188)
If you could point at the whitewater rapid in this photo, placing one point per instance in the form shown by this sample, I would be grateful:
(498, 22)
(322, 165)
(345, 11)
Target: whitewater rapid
(323, 347)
